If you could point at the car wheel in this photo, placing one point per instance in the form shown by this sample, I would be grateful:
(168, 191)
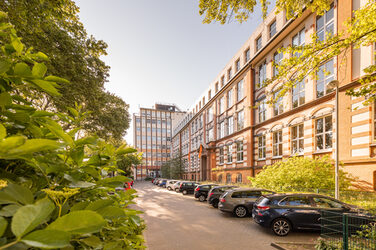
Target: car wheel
(215, 203)
(169, 188)
(185, 192)
(281, 227)
(201, 198)
(240, 211)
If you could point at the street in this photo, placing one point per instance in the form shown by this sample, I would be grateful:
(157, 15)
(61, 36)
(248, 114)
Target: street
(175, 221)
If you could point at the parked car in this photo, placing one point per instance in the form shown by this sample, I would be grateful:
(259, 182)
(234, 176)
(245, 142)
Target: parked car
(162, 183)
(240, 201)
(187, 187)
(170, 184)
(176, 186)
(216, 192)
(156, 181)
(284, 212)
(201, 191)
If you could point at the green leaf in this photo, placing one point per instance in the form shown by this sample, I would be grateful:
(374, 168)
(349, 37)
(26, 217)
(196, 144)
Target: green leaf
(80, 206)
(122, 151)
(5, 99)
(3, 225)
(30, 216)
(11, 142)
(17, 44)
(22, 69)
(77, 154)
(99, 204)
(33, 146)
(39, 70)
(111, 212)
(17, 193)
(73, 111)
(112, 245)
(46, 86)
(47, 239)
(42, 113)
(81, 184)
(56, 79)
(92, 241)
(40, 56)
(4, 66)
(10, 210)
(56, 129)
(79, 222)
(3, 132)
(87, 140)
(114, 181)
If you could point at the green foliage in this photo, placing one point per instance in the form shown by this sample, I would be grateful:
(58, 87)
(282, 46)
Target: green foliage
(174, 168)
(57, 188)
(53, 27)
(300, 174)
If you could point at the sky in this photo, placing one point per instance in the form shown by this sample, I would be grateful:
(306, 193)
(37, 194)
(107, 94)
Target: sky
(160, 51)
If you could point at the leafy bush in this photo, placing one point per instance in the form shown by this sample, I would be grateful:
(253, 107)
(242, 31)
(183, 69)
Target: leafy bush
(55, 189)
(300, 174)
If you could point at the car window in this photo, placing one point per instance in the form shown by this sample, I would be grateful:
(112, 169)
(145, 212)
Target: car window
(326, 203)
(296, 201)
(237, 195)
(251, 194)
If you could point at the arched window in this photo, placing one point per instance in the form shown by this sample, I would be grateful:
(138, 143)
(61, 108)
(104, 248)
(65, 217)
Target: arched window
(220, 178)
(228, 178)
(239, 178)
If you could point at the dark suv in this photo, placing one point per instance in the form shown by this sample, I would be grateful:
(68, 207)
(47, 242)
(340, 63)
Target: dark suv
(201, 191)
(284, 212)
(187, 187)
(215, 193)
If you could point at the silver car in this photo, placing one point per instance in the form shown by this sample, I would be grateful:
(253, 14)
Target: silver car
(240, 201)
(170, 184)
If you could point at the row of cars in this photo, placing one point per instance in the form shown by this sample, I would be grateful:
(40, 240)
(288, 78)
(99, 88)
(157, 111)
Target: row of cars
(280, 212)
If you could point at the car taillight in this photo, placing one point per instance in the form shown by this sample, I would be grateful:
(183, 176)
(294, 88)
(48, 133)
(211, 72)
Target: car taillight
(197, 189)
(211, 194)
(263, 207)
(223, 200)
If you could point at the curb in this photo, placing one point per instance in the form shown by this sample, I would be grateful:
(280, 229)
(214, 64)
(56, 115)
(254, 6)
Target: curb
(275, 245)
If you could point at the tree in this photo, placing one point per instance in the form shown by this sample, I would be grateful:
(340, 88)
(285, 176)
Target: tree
(126, 162)
(359, 31)
(53, 26)
(177, 167)
(166, 170)
(300, 174)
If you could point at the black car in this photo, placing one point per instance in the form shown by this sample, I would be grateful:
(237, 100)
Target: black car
(187, 187)
(201, 191)
(284, 212)
(216, 192)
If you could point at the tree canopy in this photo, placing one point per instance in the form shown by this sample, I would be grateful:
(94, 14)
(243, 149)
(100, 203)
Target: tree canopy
(53, 26)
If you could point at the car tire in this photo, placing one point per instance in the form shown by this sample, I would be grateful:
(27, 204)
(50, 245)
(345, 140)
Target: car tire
(240, 211)
(169, 188)
(185, 192)
(215, 203)
(281, 227)
(202, 198)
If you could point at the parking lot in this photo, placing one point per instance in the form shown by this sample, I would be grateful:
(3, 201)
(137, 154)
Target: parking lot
(176, 221)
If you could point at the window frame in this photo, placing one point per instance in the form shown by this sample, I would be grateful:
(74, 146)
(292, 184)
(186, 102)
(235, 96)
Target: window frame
(326, 23)
(262, 109)
(230, 125)
(273, 23)
(258, 43)
(326, 78)
(300, 92)
(261, 69)
(221, 155)
(277, 142)
(299, 138)
(298, 35)
(237, 65)
(240, 90)
(238, 120)
(261, 147)
(278, 103)
(277, 58)
(239, 151)
(324, 133)
(230, 97)
(229, 156)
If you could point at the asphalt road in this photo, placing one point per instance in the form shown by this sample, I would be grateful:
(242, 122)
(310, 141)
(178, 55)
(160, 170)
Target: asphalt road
(176, 221)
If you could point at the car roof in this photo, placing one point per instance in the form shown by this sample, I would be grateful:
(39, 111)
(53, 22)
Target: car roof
(249, 189)
(299, 194)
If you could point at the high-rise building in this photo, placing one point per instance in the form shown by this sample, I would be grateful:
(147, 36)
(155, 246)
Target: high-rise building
(152, 137)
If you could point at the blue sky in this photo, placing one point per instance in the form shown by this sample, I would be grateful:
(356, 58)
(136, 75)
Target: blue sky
(160, 51)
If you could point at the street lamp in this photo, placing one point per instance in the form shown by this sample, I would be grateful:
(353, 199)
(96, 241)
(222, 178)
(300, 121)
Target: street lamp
(334, 84)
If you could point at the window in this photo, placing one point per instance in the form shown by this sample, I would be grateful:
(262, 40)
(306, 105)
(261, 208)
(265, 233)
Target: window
(221, 130)
(296, 201)
(237, 65)
(240, 92)
(221, 105)
(229, 74)
(209, 94)
(247, 55)
(221, 155)
(239, 151)
(230, 100)
(324, 133)
(325, 24)
(262, 110)
(298, 94)
(277, 143)
(324, 76)
(261, 73)
(240, 120)
(326, 203)
(203, 101)
(239, 178)
(210, 135)
(216, 87)
(261, 147)
(258, 43)
(230, 125)
(276, 59)
(229, 153)
(298, 40)
(272, 29)
(228, 178)
(222, 81)
(210, 114)
(278, 103)
(297, 139)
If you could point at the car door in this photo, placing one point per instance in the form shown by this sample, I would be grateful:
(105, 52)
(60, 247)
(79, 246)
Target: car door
(331, 208)
(250, 198)
(299, 210)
